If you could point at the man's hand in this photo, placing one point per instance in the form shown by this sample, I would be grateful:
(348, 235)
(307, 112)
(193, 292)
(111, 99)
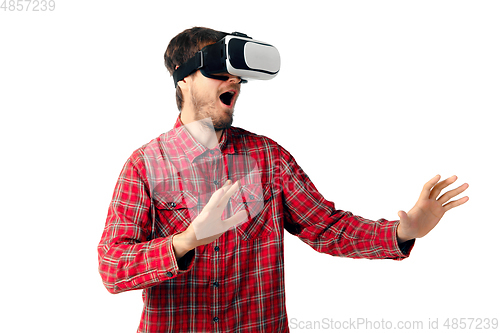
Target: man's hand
(429, 209)
(208, 225)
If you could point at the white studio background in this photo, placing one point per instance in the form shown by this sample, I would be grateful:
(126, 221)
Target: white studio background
(373, 99)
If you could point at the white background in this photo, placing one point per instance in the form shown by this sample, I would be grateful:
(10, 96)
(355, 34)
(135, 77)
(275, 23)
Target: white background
(373, 99)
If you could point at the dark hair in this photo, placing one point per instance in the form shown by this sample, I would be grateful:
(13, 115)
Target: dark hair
(184, 46)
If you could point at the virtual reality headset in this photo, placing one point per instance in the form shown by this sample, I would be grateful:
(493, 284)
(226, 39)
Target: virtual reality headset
(236, 54)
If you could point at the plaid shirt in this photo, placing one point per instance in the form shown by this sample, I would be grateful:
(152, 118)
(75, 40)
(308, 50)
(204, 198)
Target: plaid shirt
(236, 283)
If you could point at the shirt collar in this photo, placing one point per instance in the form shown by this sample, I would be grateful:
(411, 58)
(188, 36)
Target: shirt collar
(192, 148)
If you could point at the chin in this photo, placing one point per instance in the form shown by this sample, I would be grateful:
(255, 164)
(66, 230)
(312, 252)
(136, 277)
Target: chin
(221, 124)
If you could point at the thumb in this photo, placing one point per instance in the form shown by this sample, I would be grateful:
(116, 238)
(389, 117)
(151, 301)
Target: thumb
(403, 216)
(404, 224)
(236, 219)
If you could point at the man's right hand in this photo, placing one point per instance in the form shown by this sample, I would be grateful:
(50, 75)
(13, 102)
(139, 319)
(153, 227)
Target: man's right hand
(208, 225)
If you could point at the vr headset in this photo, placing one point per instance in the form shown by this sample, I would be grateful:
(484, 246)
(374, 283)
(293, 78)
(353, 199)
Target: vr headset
(236, 54)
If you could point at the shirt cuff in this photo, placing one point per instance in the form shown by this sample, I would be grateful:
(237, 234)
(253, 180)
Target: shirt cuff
(389, 242)
(170, 267)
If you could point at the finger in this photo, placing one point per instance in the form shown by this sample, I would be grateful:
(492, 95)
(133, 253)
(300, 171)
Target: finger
(215, 199)
(223, 201)
(426, 191)
(236, 219)
(455, 203)
(227, 184)
(440, 186)
(218, 195)
(453, 193)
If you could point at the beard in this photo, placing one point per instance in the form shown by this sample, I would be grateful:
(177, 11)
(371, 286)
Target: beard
(205, 107)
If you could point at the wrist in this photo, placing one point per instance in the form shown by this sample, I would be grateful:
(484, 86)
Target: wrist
(181, 245)
(401, 236)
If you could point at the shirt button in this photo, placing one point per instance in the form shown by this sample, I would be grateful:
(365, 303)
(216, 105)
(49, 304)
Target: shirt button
(216, 319)
(169, 274)
(216, 248)
(216, 284)
(216, 182)
(211, 152)
(252, 197)
(172, 204)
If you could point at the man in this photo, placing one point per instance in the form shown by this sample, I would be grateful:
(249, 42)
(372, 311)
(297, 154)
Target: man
(198, 215)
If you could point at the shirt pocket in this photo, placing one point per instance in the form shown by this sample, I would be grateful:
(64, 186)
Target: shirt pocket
(175, 210)
(255, 199)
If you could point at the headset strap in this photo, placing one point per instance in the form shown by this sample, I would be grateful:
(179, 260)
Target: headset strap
(189, 67)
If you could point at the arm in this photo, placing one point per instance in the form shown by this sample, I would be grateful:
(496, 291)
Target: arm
(341, 233)
(326, 229)
(128, 259)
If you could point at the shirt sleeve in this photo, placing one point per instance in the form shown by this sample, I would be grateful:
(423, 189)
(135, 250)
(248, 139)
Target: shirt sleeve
(128, 256)
(318, 223)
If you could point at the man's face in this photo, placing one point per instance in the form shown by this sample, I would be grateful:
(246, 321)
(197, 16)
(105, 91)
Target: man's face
(214, 98)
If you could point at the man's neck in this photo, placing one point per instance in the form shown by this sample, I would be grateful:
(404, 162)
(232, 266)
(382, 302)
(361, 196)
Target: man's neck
(202, 130)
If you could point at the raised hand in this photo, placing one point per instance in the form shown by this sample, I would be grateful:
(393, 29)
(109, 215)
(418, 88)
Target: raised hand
(429, 209)
(208, 225)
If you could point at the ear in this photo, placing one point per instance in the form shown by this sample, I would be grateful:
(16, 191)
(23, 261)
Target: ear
(184, 84)
(181, 83)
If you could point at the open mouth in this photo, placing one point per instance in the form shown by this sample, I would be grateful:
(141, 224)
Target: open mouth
(227, 98)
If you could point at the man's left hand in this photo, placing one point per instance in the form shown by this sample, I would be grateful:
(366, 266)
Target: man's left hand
(429, 209)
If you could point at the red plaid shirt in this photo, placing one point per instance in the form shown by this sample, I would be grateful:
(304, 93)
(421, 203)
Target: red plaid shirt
(236, 283)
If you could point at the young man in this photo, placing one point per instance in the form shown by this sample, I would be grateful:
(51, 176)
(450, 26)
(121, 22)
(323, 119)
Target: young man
(198, 215)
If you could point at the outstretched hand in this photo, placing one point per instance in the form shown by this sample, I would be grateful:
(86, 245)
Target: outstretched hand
(429, 209)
